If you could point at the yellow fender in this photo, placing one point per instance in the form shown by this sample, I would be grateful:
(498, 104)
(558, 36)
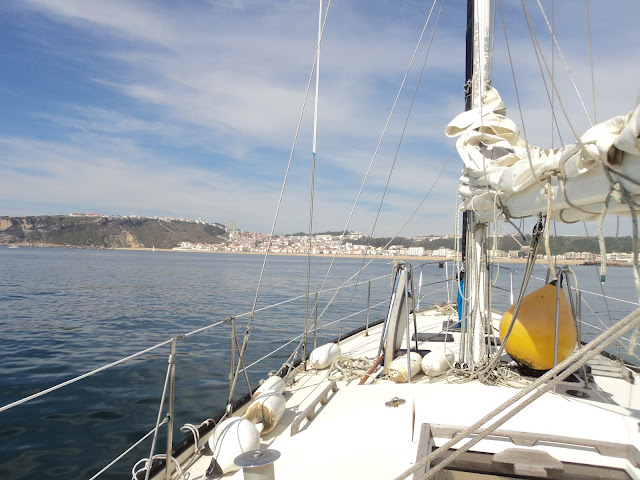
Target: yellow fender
(532, 339)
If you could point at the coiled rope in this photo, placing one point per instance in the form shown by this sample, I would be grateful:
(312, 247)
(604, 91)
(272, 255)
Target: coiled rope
(346, 369)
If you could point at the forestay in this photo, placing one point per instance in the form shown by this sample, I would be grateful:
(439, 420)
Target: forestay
(505, 176)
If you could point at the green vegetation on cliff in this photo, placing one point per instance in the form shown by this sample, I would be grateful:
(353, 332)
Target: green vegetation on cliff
(105, 232)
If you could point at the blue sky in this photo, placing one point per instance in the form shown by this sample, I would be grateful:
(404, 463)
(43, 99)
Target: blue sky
(189, 109)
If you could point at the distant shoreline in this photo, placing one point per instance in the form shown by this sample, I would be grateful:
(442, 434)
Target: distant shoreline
(317, 255)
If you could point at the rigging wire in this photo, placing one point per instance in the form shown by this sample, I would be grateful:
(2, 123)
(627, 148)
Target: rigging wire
(553, 83)
(377, 149)
(415, 211)
(515, 85)
(313, 176)
(566, 64)
(593, 81)
(550, 95)
(404, 129)
(277, 212)
(364, 182)
(486, 371)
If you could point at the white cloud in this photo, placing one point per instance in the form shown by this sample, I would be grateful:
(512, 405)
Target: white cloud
(195, 107)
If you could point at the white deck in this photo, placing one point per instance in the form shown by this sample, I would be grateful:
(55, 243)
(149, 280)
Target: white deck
(356, 436)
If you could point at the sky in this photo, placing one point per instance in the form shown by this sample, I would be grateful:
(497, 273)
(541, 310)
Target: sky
(190, 109)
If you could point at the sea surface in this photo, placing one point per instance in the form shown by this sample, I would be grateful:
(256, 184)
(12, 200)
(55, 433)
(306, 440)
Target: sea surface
(66, 312)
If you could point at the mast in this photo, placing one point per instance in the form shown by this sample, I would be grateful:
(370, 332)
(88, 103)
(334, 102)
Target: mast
(475, 232)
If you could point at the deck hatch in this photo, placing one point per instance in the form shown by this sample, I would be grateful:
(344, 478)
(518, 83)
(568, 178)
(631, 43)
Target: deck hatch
(522, 462)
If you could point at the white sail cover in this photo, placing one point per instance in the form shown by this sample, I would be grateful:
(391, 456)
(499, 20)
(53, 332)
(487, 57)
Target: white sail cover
(503, 175)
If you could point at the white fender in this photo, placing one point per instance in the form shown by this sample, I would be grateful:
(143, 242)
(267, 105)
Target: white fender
(437, 363)
(272, 384)
(231, 438)
(267, 409)
(398, 368)
(323, 356)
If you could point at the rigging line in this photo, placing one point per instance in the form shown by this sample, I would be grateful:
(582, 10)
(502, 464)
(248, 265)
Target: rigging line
(275, 218)
(288, 169)
(404, 129)
(175, 233)
(547, 247)
(515, 86)
(313, 165)
(198, 330)
(382, 136)
(277, 304)
(401, 228)
(406, 122)
(598, 294)
(162, 399)
(628, 199)
(596, 327)
(553, 65)
(291, 300)
(512, 235)
(562, 180)
(593, 81)
(606, 303)
(115, 460)
(566, 64)
(546, 89)
(302, 335)
(531, 260)
(373, 158)
(553, 83)
(624, 176)
(75, 379)
(526, 396)
(611, 298)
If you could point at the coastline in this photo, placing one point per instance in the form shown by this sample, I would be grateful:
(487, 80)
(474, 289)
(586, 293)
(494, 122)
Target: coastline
(319, 255)
(390, 257)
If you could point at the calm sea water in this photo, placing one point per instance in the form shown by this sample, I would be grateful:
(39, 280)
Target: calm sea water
(65, 312)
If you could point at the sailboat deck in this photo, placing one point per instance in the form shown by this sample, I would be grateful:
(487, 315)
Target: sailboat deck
(352, 433)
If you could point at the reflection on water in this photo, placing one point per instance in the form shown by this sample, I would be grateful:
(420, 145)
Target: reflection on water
(67, 312)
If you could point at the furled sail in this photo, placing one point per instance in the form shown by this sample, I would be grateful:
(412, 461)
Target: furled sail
(503, 175)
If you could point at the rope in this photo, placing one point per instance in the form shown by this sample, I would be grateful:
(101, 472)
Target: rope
(115, 460)
(527, 395)
(502, 375)
(562, 180)
(147, 465)
(449, 309)
(188, 427)
(486, 371)
(347, 369)
(601, 243)
(195, 431)
(547, 231)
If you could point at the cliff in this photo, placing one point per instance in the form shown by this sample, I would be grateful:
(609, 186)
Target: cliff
(105, 232)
